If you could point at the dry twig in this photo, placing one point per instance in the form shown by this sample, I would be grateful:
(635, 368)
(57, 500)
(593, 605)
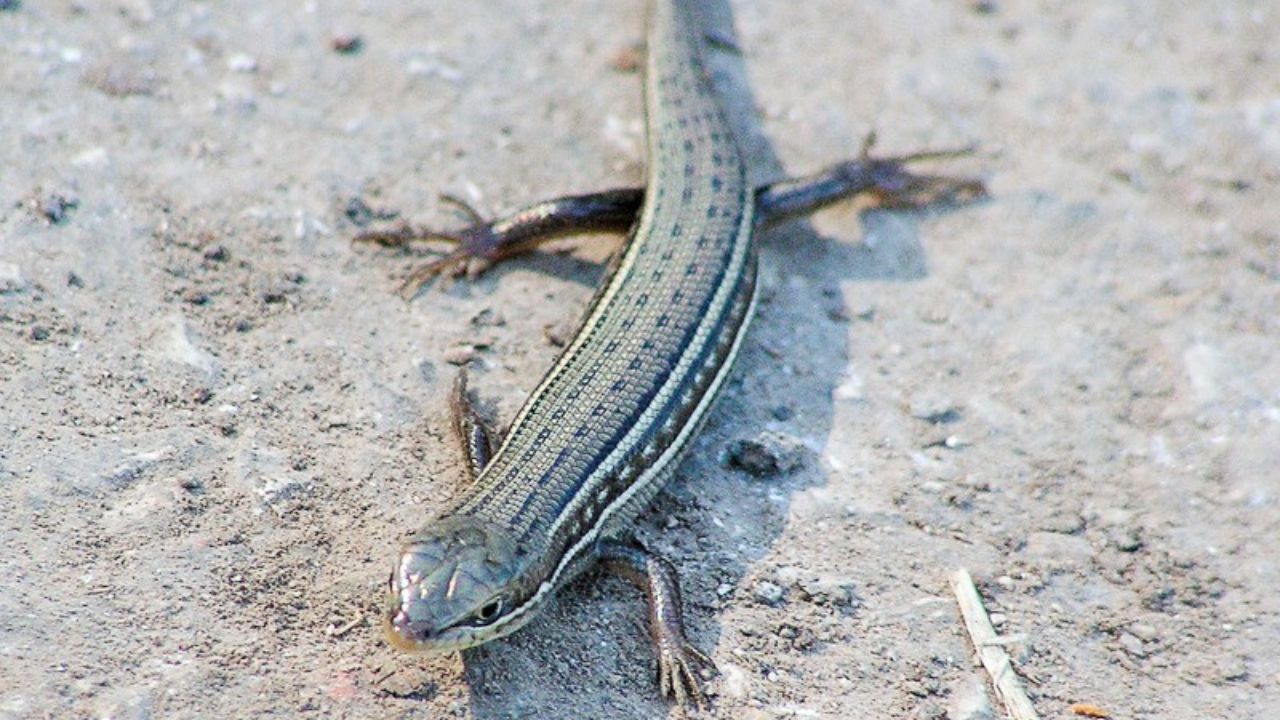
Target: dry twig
(987, 643)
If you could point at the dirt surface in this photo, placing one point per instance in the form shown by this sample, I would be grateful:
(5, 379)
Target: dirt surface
(219, 418)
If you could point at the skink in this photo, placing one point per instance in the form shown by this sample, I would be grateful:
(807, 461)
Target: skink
(606, 426)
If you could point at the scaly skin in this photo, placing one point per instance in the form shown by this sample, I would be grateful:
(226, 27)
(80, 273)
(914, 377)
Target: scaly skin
(607, 425)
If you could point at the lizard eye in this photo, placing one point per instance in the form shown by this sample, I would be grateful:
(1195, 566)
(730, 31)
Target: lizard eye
(488, 612)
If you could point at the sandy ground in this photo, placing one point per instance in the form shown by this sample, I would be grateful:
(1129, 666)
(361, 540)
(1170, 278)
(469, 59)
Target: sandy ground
(218, 418)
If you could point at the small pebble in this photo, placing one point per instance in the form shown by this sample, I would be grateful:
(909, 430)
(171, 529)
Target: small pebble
(488, 317)
(1126, 539)
(1144, 632)
(55, 207)
(11, 278)
(628, 59)
(935, 315)
(1066, 523)
(916, 688)
(1132, 645)
(347, 44)
(358, 212)
(242, 63)
(832, 591)
(770, 453)
(560, 333)
(216, 253)
(768, 593)
(933, 711)
(460, 354)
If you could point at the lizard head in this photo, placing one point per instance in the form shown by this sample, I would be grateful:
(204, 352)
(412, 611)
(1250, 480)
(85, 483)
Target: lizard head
(452, 587)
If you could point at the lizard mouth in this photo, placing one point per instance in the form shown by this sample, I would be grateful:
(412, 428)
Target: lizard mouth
(402, 634)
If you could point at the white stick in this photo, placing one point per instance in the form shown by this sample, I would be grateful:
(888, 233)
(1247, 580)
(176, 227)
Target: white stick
(987, 643)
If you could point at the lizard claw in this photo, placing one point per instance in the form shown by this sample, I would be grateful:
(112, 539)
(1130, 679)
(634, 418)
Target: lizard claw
(475, 248)
(679, 669)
